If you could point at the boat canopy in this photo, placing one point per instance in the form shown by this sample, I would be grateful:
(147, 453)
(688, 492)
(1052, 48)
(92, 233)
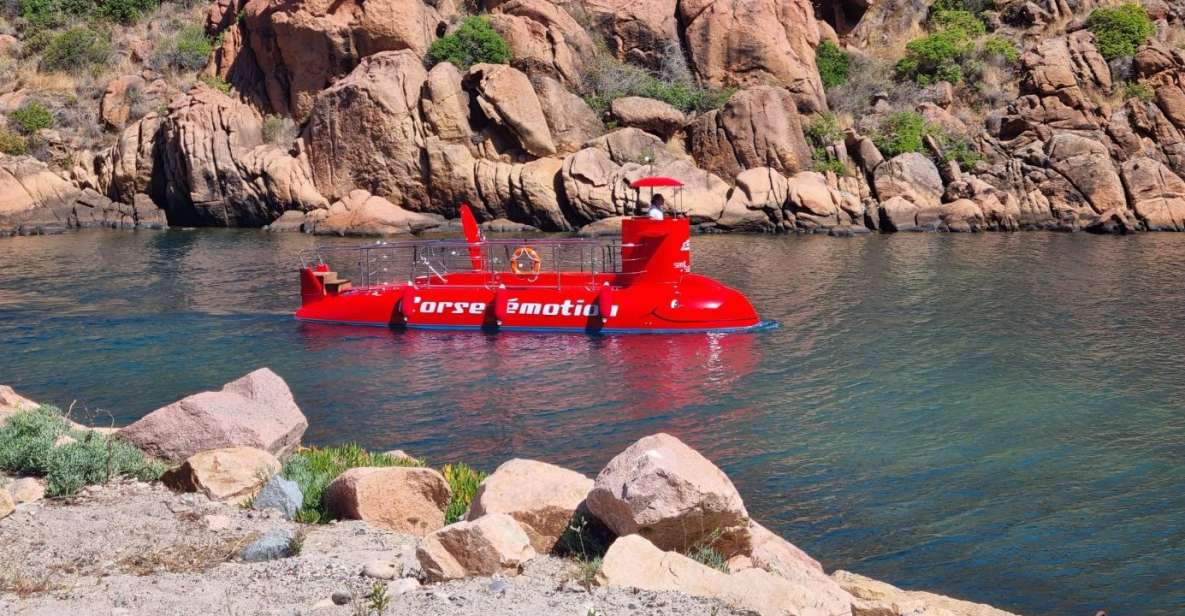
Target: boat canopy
(656, 181)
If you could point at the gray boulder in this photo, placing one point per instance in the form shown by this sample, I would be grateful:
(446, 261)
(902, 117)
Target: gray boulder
(280, 494)
(272, 546)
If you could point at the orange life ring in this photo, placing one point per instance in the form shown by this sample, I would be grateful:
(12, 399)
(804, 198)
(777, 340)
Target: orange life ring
(529, 253)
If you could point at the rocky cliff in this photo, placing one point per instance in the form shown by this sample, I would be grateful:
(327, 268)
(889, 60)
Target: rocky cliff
(839, 116)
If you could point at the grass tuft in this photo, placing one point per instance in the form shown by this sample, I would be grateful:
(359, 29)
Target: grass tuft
(463, 480)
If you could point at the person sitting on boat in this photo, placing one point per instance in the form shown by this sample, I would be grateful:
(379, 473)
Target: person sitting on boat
(656, 204)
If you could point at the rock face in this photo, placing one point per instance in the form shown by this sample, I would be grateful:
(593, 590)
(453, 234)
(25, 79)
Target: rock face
(256, 410)
(758, 127)
(491, 544)
(543, 37)
(753, 42)
(541, 497)
(402, 499)
(878, 598)
(507, 99)
(302, 47)
(219, 172)
(1157, 194)
(640, 32)
(634, 562)
(233, 473)
(671, 495)
(912, 177)
(35, 200)
(366, 132)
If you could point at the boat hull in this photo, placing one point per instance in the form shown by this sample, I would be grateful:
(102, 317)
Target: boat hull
(693, 304)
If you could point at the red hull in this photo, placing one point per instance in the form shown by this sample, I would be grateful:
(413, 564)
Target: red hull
(656, 294)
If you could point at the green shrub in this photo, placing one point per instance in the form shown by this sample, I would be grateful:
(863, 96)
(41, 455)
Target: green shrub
(75, 50)
(1135, 89)
(13, 144)
(27, 447)
(187, 49)
(996, 46)
(899, 133)
(463, 480)
(975, 7)
(125, 11)
(962, 20)
(474, 42)
(32, 117)
(833, 64)
(905, 131)
(314, 468)
(1120, 30)
(936, 57)
(822, 131)
(216, 82)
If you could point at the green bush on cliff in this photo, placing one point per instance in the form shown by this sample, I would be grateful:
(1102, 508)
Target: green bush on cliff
(463, 480)
(822, 131)
(75, 50)
(905, 131)
(314, 468)
(125, 11)
(996, 47)
(27, 448)
(833, 64)
(1120, 30)
(474, 42)
(187, 49)
(946, 53)
(31, 117)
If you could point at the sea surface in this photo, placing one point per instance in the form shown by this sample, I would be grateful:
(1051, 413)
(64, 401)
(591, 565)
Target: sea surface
(999, 417)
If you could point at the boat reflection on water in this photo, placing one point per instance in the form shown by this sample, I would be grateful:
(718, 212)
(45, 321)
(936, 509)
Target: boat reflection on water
(507, 396)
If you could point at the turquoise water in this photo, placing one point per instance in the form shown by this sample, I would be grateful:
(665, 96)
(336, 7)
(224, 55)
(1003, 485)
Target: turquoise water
(997, 417)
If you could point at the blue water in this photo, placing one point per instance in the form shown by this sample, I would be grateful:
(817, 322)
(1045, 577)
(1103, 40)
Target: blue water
(996, 417)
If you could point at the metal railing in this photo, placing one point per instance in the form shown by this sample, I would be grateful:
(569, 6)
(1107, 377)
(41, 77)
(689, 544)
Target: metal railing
(563, 262)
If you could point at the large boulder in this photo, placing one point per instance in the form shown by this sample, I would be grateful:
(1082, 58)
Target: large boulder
(303, 46)
(280, 494)
(507, 99)
(115, 107)
(758, 127)
(492, 544)
(1157, 194)
(218, 171)
(756, 202)
(232, 473)
(652, 116)
(366, 132)
(634, 562)
(754, 42)
(668, 493)
(542, 497)
(402, 499)
(544, 38)
(911, 176)
(361, 213)
(818, 205)
(35, 200)
(1085, 164)
(875, 598)
(256, 410)
(571, 121)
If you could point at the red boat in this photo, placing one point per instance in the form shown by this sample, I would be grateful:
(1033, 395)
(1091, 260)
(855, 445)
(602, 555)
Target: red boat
(640, 284)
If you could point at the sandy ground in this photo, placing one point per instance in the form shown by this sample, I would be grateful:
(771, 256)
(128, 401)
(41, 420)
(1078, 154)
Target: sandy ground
(136, 548)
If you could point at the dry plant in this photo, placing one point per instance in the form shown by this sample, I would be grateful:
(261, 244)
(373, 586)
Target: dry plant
(196, 557)
(25, 586)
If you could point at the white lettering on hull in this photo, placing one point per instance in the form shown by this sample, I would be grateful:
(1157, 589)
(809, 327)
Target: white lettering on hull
(566, 308)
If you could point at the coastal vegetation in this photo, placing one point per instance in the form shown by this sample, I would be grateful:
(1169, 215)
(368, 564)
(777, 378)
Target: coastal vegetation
(463, 481)
(1120, 30)
(42, 443)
